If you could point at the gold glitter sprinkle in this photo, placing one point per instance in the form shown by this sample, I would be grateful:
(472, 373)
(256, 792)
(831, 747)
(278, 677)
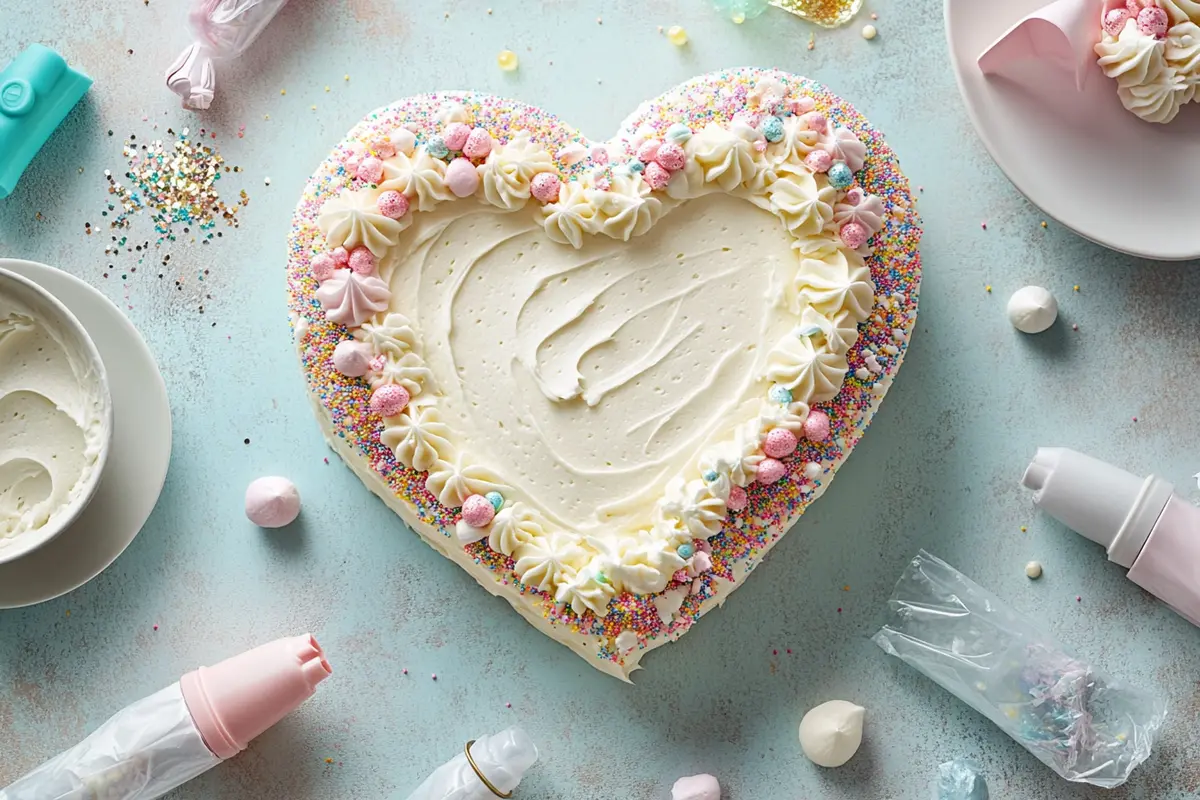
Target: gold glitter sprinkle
(826, 13)
(347, 77)
(283, 91)
(327, 88)
(1043, 223)
(989, 288)
(812, 41)
(1076, 287)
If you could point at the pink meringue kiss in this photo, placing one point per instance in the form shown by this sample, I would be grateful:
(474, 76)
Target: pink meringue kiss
(352, 358)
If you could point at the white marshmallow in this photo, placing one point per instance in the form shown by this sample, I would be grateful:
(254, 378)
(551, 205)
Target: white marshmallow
(831, 733)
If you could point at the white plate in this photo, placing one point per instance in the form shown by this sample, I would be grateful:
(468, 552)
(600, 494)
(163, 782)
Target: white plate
(137, 462)
(1079, 156)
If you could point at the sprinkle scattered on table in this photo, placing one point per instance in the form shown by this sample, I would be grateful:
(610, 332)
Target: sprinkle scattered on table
(869, 32)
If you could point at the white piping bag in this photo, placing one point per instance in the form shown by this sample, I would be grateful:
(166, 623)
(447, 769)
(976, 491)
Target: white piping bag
(224, 29)
(502, 759)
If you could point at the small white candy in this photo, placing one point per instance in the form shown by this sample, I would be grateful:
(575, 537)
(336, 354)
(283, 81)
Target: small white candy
(697, 787)
(831, 733)
(1032, 309)
(272, 502)
(869, 32)
(1033, 570)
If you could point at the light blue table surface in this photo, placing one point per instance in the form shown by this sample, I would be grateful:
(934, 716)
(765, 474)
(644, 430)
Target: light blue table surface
(939, 469)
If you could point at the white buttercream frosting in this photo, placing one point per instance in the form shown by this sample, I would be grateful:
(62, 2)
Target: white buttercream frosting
(352, 219)
(1147, 85)
(510, 168)
(420, 177)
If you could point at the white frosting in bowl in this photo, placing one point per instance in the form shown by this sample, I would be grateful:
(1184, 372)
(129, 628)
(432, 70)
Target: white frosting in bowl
(55, 417)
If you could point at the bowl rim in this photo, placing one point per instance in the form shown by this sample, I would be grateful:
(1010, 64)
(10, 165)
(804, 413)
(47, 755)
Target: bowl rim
(27, 543)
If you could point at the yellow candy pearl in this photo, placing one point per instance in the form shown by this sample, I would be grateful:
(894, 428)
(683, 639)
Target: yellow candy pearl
(677, 36)
(507, 60)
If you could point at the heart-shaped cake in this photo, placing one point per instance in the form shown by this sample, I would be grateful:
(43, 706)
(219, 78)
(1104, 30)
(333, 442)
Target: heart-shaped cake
(605, 378)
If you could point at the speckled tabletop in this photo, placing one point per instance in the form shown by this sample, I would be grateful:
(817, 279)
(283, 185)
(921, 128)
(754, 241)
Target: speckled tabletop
(939, 469)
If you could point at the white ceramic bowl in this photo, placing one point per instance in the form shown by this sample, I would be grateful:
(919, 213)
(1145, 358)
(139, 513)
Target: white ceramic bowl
(45, 305)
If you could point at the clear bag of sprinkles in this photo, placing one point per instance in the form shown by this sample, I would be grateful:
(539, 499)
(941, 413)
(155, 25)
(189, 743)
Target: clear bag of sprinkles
(826, 13)
(1073, 717)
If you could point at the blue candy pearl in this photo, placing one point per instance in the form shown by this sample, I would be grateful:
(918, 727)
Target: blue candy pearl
(436, 147)
(780, 394)
(710, 476)
(678, 133)
(772, 128)
(636, 166)
(686, 550)
(840, 176)
(496, 499)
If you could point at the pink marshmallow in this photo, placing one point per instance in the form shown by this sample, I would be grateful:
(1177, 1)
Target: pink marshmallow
(384, 148)
(455, 135)
(478, 144)
(545, 187)
(369, 170)
(648, 151)
(671, 156)
(656, 175)
(389, 400)
(461, 177)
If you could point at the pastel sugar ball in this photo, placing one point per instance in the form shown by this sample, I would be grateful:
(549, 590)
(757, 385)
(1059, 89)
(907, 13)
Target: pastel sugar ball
(853, 234)
(780, 442)
(478, 145)
(272, 502)
(805, 104)
(461, 177)
(840, 176)
(455, 135)
(477, 511)
(656, 175)
(1114, 21)
(370, 169)
(352, 358)
(816, 427)
(545, 187)
(770, 470)
(818, 123)
(772, 128)
(737, 499)
(647, 151)
(671, 156)
(496, 499)
(323, 266)
(340, 256)
(362, 260)
(780, 394)
(636, 166)
(678, 133)
(1153, 22)
(819, 161)
(392, 204)
(686, 550)
(436, 147)
(389, 400)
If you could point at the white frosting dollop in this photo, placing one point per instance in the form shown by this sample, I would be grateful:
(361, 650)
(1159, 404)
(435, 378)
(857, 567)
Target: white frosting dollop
(694, 504)
(839, 282)
(571, 217)
(452, 481)
(831, 733)
(352, 219)
(1032, 309)
(545, 562)
(54, 416)
(1146, 84)
(510, 168)
(393, 335)
(725, 157)
(514, 526)
(420, 177)
(813, 374)
(408, 371)
(804, 204)
(418, 437)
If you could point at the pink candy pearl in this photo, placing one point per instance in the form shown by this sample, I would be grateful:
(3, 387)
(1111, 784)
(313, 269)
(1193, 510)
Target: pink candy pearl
(323, 266)
(770, 470)
(1114, 21)
(352, 358)
(648, 151)
(392, 204)
(854, 235)
(455, 135)
(383, 148)
(1153, 22)
(819, 161)
(389, 400)
(816, 427)
(478, 144)
(737, 499)
(818, 123)
(362, 261)
(545, 187)
(671, 156)
(780, 442)
(656, 175)
(340, 256)
(805, 104)
(370, 170)
(477, 511)
(461, 177)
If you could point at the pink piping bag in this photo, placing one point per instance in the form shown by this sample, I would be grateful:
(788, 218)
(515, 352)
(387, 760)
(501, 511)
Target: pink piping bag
(224, 29)
(164, 740)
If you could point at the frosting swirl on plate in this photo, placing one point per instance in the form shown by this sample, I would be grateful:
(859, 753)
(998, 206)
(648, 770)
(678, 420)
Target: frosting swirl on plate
(1152, 50)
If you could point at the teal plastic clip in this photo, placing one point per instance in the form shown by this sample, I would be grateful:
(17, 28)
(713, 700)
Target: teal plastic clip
(37, 89)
